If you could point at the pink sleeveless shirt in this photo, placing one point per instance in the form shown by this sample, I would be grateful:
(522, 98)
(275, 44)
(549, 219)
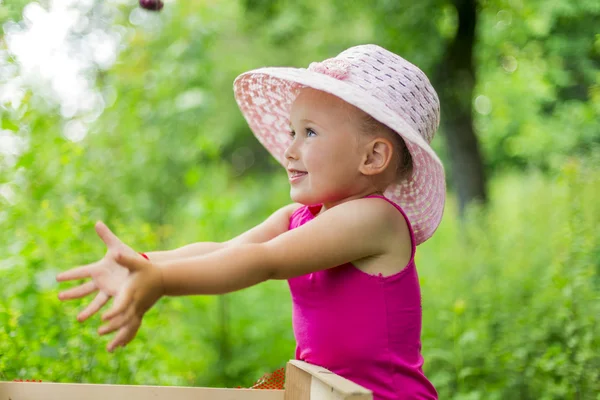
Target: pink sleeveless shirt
(366, 328)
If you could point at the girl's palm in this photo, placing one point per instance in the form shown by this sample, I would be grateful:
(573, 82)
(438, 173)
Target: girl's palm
(107, 276)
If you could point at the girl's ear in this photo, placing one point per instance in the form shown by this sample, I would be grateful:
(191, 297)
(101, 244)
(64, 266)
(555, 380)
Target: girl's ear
(378, 155)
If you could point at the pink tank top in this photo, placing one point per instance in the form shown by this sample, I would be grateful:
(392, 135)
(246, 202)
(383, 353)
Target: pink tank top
(366, 328)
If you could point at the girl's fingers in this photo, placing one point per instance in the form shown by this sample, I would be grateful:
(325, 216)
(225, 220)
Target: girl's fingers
(117, 322)
(109, 238)
(77, 273)
(126, 334)
(78, 292)
(122, 301)
(96, 304)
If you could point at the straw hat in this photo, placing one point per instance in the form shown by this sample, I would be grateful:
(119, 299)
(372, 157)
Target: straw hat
(382, 84)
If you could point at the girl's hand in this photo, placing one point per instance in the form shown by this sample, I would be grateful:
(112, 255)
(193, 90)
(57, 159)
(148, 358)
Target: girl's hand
(143, 288)
(108, 277)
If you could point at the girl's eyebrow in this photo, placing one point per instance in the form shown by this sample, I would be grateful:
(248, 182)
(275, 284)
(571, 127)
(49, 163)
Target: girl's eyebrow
(319, 126)
(306, 120)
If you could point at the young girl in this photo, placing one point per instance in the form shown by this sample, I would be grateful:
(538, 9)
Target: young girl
(353, 133)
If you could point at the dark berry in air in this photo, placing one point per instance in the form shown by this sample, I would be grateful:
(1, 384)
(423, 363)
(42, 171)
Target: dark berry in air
(154, 5)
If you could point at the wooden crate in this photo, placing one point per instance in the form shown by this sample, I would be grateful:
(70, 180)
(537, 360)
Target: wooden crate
(303, 381)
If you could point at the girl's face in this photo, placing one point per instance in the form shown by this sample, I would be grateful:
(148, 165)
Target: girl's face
(324, 156)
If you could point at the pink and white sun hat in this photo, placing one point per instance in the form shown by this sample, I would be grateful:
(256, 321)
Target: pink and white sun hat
(377, 81)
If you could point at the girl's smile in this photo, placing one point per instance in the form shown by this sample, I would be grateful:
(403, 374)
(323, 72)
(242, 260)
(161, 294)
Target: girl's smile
(295, 175)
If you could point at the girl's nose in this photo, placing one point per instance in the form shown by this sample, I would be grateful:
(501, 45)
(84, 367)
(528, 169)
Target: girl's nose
(291, 152)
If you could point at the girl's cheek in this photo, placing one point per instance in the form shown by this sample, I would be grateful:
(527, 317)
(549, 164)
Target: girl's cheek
(314, 161)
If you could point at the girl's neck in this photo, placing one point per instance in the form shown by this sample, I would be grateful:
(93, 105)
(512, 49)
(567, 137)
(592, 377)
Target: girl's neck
(328, 205)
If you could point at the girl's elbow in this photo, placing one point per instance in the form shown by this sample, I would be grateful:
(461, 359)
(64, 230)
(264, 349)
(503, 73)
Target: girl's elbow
(270, 264)
(272, 271)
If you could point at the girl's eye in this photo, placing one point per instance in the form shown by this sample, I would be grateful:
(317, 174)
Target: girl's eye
(309, 132)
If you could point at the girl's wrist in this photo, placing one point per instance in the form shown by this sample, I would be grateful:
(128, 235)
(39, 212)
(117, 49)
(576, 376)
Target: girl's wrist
(160, 268)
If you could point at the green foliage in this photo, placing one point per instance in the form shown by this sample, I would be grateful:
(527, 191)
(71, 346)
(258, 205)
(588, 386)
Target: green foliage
(510, 293)
(11, 11)
(538, 98)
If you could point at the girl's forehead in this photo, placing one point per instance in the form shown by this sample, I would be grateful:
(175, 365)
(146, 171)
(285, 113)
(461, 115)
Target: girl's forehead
(319, 103)
(309, 95)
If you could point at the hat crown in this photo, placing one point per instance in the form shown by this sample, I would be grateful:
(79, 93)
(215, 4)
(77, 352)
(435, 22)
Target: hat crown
(399, 84)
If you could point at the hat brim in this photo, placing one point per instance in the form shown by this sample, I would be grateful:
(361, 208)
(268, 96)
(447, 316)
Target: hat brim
(265, 97)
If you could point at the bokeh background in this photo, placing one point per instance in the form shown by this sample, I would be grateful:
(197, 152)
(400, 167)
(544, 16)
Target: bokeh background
(112, 112)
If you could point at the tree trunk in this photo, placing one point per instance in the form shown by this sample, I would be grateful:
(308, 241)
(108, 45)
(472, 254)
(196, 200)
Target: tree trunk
(455, 82)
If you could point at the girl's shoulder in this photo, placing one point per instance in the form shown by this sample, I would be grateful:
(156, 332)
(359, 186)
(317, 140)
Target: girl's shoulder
(387, 212)
(398, 236)
(377, 214)
(393, 210)
(381, 218)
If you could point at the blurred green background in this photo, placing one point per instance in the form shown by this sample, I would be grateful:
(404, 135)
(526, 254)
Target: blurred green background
(111, 112)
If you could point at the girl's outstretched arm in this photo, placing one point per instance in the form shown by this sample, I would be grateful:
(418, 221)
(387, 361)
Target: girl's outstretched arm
(348, 232)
